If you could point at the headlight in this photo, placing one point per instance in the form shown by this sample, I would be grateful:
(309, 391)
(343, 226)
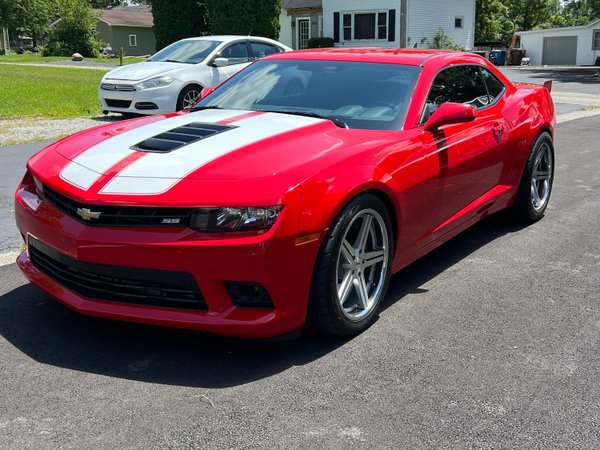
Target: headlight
(234, 219)
(155, 82)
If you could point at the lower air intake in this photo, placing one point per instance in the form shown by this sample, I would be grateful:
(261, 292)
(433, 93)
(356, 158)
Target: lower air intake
(148, 287)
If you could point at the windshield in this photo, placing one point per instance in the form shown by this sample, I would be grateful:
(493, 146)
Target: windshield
(189, 52)
(361, 95)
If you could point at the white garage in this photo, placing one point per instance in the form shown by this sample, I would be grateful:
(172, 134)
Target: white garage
(563, 46)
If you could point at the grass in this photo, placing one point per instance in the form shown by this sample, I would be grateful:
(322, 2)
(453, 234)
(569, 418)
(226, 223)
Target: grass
(31, 58)
(48, 92)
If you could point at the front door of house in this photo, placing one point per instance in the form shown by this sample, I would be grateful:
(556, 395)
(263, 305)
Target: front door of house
(303, 33)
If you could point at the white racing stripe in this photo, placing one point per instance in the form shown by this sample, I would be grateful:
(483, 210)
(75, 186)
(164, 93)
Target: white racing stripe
(158, 172)
(87, 167)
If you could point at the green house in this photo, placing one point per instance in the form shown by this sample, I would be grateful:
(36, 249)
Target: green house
(128, 27)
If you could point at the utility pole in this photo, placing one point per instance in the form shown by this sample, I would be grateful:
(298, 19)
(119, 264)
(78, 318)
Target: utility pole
(403, 23)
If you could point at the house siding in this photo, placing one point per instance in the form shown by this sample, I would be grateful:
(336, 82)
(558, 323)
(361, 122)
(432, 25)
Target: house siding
(424, 20)
(146, 42)
(533, 43)
(331, 6)
(286, 32)
(104, 32)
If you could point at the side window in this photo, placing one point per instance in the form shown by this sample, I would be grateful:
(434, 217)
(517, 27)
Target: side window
(236, 53)
(260, 50)
(494, 85)
(460, 84)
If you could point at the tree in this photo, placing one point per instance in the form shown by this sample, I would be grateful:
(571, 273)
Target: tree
(27, 17)
(251, 17)
(530, 14)
(75, 31)
(178, 19)
(492, 21)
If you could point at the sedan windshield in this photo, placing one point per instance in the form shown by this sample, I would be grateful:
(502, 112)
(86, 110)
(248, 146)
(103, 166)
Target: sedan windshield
(189, 52)
(360, 95)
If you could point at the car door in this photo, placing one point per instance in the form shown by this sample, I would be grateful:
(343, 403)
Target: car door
(238, 56)
(468, 156)
(261, 49)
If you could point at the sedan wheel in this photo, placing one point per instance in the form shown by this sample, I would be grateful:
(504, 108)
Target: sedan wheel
(188, 97)
(353, 269)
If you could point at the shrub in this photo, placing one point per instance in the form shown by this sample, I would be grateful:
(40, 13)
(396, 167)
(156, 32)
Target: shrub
(320, 42)
(443, 41)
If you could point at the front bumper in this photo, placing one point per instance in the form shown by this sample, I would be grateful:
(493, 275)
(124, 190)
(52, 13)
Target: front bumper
(147, 101)
(273, 260)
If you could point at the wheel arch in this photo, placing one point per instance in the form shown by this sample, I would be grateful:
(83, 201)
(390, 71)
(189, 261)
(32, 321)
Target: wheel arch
(319, 201)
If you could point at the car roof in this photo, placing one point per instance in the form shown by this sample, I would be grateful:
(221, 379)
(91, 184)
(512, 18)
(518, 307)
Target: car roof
(409, 57)
(226, 38)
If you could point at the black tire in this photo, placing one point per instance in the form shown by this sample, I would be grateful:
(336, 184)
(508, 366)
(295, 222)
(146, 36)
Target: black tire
(185, 96)
(326, 313)
(529, 205)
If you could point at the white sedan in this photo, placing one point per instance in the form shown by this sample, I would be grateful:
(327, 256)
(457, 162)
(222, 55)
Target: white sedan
(173, 78)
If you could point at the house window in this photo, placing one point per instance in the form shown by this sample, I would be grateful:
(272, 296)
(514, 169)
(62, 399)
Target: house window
(133, 40)
(458, 22)
(596, 41)
(371, 25)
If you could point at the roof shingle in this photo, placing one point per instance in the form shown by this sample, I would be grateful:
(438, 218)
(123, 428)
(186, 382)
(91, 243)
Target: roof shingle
(139, 17)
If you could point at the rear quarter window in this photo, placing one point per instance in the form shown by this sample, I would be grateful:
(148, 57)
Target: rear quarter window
(494, 85)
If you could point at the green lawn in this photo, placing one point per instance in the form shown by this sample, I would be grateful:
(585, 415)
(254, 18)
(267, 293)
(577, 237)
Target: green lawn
(37, 59)
(49, 92)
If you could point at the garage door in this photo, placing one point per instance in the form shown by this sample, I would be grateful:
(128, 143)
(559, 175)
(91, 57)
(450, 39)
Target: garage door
(560, 51)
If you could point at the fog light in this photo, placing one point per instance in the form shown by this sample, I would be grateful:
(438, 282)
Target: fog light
(248, 295)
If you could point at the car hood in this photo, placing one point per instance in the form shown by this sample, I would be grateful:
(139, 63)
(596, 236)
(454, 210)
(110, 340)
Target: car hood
(143, 70)
(237, 152)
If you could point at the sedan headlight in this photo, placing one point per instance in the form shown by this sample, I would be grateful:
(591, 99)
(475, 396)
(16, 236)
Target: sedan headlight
(155, 82)
(234, 219)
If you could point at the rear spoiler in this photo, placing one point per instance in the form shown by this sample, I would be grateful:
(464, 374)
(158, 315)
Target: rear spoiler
(548, 85)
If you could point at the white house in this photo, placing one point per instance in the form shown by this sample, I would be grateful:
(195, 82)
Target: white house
(300, 20)
(378, 23)
(563, 46)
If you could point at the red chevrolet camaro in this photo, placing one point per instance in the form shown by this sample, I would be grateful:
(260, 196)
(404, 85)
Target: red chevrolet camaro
(289, 195)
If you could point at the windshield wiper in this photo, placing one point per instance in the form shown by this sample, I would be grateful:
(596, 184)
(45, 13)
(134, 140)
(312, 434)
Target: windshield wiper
(335, 120)
(175, 61)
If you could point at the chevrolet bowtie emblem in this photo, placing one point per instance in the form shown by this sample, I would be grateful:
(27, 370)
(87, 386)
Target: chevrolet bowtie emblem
(88, 214)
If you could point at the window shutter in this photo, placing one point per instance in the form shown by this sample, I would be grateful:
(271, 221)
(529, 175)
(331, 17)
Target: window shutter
(391, 25)
(336, 27)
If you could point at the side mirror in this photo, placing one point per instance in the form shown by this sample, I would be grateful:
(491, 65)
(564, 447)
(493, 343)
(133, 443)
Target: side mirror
(220, 62)
(206, 92)
(449, 113)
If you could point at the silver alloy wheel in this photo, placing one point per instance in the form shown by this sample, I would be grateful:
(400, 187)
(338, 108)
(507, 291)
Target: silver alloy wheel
(190, 98)
(362, 265)
(541, 177)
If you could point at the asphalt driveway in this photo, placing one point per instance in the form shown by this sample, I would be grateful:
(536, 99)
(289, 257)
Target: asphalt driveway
(491, 341)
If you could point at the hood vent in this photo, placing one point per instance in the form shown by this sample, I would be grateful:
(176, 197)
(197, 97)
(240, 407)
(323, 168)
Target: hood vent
(179, 137)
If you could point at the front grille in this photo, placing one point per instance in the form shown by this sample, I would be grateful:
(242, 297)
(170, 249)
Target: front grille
(118, 103)
(125, 216)
(148, 287)
(117, 87)
(180, 136)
